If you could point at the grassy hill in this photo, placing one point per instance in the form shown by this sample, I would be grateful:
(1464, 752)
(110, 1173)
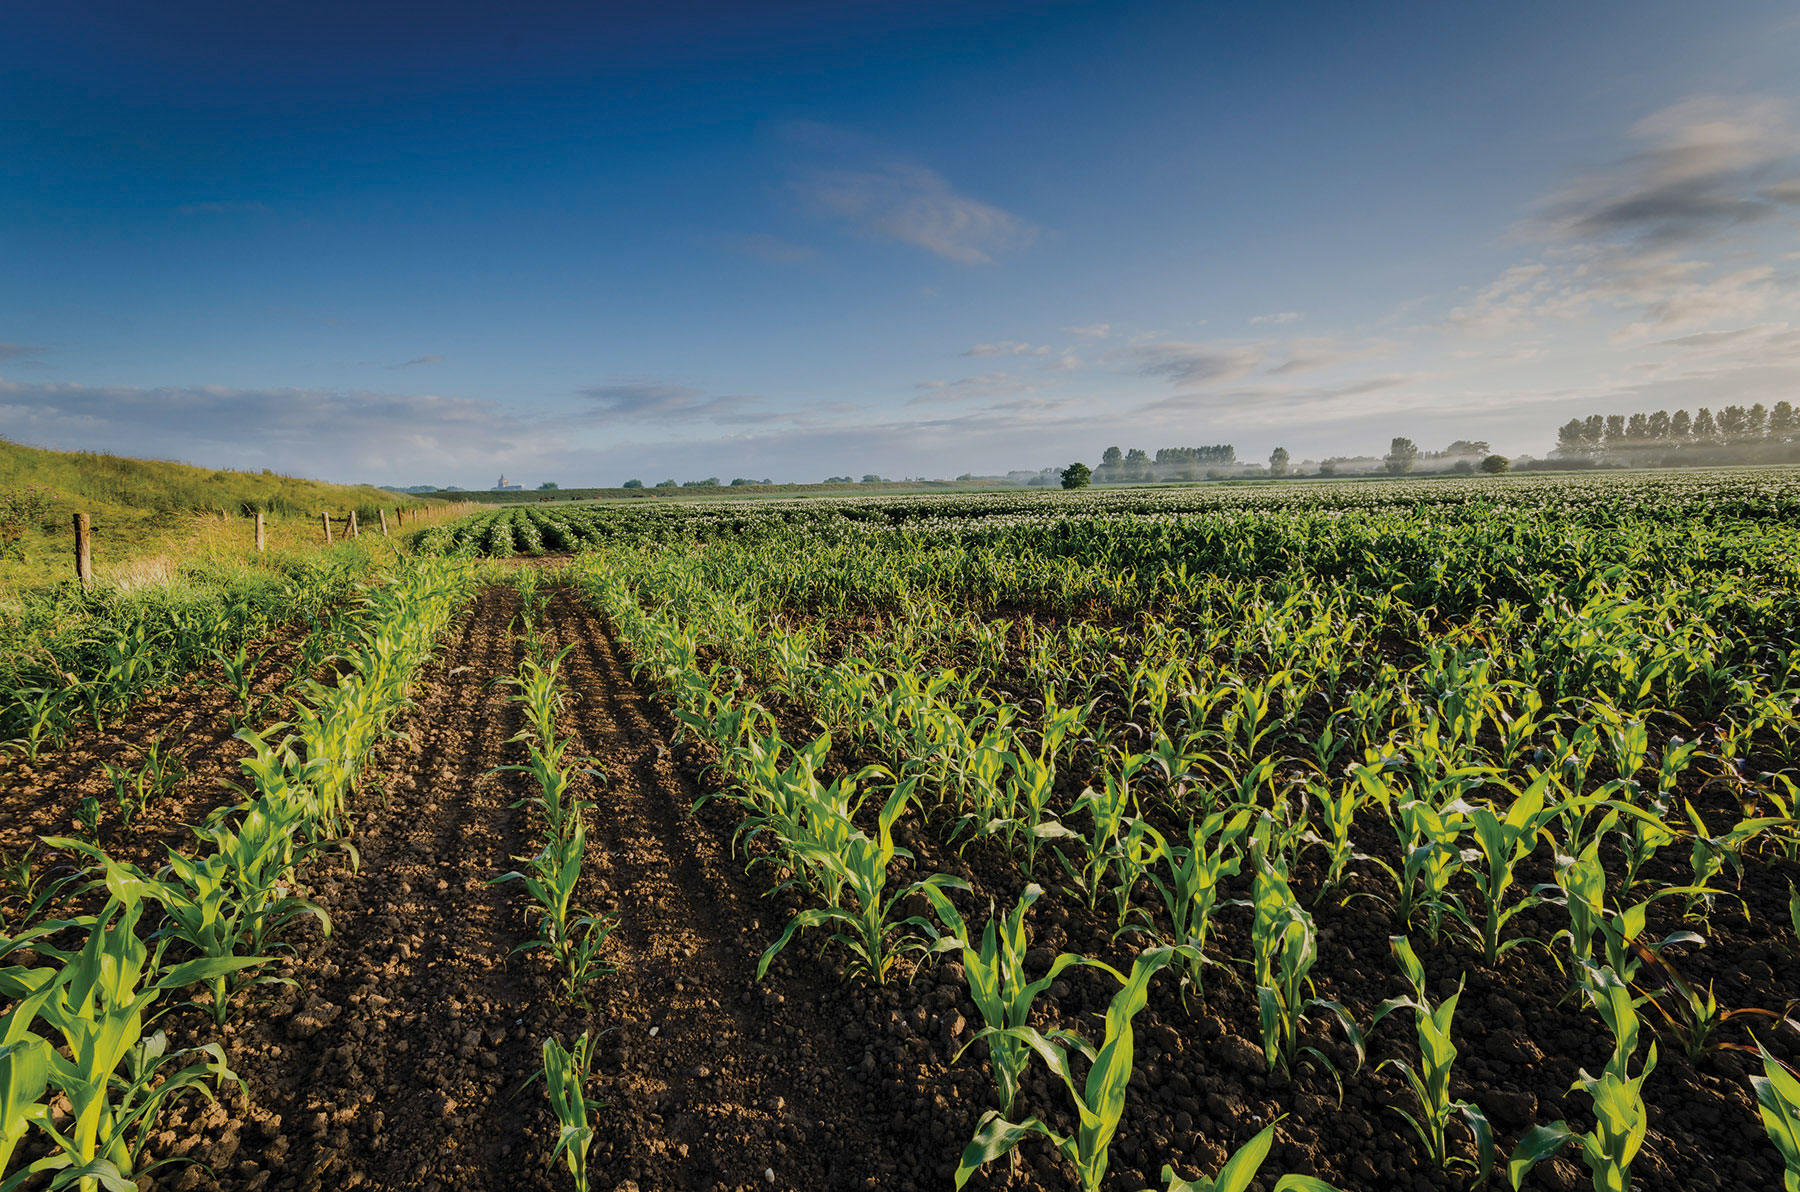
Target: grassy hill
(149, 515)
(98, 483)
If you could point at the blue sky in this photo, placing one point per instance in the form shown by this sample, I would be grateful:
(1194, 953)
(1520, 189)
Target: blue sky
(431, 242)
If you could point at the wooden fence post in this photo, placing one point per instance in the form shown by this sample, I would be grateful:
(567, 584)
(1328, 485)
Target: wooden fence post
(352, 533)
(399, 516)
(382, 514)
(325, 518)
(84, 559)
(260, 528)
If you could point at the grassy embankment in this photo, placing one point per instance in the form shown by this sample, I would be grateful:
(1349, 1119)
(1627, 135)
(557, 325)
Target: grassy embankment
(152, 518)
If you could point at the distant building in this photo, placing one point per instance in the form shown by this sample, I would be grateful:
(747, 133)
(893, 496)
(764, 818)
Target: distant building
(504, 487)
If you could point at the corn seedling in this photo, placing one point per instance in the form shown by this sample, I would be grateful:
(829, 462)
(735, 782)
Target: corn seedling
(1778, 1100)
(1285, 946)
(572, 939)
(1240, 1171)
(1000, 989)
(859, 865)
(1621, 1119)
(41, 710)
(1501, 842)
(1429, 1080)
(1100, 1102)
(134, 790)
(1693, 1018)
(566, 1072)
(1189, 885)
(1337, 814)
(116, 1080)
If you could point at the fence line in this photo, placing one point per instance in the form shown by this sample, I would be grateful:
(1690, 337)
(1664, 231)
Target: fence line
(420, 514)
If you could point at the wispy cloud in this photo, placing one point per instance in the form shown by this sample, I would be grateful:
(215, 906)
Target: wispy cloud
(349, 435)
(1269, 404)
(415, 362)
(1090, 331)
(917, 206)
(1708, 165)
(1286, 316)
(1196, 363)
(647, 400)
(988, 384)
(1007, 347)
(20, 352)
(1710, 173)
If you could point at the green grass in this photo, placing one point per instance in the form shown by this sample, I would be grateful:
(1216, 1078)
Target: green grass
(152, 516)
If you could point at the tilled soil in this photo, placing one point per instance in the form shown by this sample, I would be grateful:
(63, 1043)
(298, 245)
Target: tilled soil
(403, 1057)
(192, 720)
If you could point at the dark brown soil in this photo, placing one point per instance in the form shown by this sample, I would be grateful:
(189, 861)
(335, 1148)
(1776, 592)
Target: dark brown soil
(194, 720)
(403, 1057)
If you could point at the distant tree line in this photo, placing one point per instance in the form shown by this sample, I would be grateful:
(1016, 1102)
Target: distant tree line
(1737, 434)
(1171, 463)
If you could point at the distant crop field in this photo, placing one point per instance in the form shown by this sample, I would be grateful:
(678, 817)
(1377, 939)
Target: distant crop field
(1391, 834)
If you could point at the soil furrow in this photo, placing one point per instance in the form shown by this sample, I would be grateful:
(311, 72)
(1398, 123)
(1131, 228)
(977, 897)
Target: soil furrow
(713, 1079)
(395, 1060)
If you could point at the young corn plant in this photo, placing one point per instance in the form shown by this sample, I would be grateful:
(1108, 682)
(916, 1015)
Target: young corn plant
(1430, 1079)
(1337, 814)
(44, 721)
(1713, 852)
(1189, 885)
(572, 939)
(1110, 819)
(1240, 1171)
(1100, 1102)
(24, 1082)
(1621, 1118)
(1285, 946)
(1778, 1100)
(115, 1079)
(1693, 1018)
(999, 987)
(1501, 842)
(237, 675)
(566, 1072)
(859, 866)
(1618, 934)
(135, 789)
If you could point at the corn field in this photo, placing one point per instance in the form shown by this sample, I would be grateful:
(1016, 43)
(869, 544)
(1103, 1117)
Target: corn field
(1426, 834)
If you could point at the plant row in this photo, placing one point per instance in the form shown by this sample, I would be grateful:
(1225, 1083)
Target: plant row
(81, 1025)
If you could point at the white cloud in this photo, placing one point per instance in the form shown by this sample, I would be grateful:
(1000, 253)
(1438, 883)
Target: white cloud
(915, 206)
(1007, 347)
(647, 400)
(1286, 316)
(1196, 363)
(349, 435)
(1090, 331)
(988, 384)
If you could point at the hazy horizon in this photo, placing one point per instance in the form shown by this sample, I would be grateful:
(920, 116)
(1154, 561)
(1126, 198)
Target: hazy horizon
(399, 245)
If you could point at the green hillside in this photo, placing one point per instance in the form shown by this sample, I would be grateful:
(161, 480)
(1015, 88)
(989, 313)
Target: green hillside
(154, 509)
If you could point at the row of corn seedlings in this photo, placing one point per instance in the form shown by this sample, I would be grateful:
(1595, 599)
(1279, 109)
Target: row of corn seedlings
(1464, 827)
(573, 939)
(811, 825)
(80, 1025)
(67, 657)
